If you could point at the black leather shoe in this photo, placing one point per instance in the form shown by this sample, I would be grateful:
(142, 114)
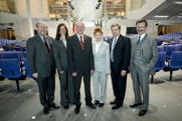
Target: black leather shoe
(96, 102)
(142, 112)
(66, 106)
(46, 110)
(91, 106)
(135, 105)
(113, 102)
(54, 106)
(116, 106)
(101, 104)
(77, 110)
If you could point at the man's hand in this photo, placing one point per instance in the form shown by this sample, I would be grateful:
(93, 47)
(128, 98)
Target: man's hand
(35, 75)
(74, 74)
(92, 72)
(123, 73)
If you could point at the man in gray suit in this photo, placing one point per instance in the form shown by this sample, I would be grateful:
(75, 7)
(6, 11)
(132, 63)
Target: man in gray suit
(41, 63)
(144, 56)
(81, 64)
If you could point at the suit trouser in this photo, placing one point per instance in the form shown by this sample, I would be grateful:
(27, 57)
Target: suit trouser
(77, 85)
(46, 90)
(119, 86)
(100, 86)
(140, 77)
(66, 88)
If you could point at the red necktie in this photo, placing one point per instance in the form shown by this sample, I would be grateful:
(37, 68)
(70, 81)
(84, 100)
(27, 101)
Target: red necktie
(45, 42)
(81, 43)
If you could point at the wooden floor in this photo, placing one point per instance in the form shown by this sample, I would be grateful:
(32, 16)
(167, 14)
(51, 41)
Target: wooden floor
(24, 105)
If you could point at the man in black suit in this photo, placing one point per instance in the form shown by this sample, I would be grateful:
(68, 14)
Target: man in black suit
(81, 64)
(42, 66)
(120, 48)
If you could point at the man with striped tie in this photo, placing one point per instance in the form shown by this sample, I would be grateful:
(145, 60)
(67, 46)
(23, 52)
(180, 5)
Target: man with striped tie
(81, 64)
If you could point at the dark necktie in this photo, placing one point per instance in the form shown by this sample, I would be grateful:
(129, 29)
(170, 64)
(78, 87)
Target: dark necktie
(81, 43)
(45, 42)
(138, 41)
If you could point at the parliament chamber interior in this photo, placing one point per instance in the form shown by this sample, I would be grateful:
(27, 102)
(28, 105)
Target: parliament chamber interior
(19, 92)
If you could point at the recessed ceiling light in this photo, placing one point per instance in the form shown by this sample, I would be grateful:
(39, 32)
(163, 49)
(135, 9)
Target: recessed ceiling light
(179, 16)
(178, 2)
(158, 16)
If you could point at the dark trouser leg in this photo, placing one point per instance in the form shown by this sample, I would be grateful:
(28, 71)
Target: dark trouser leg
(88, 96)
(64, 87)
(114, 83)
(122, 89)
(70, 89)
(50, 88)
(42, 91)
(77, 84)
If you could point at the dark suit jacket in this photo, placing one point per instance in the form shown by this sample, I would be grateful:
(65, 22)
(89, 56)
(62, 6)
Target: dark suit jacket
(80, 60)
(60, 55)
(39, 59)
(122, 53)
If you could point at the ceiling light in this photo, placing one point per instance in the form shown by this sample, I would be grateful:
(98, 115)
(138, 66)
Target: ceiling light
(178, 2)
(179, 16)
(158, 16)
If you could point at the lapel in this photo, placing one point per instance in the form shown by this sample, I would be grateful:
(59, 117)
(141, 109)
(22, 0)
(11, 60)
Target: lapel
(144, 39)
(100, 48)
(60, 43)
(40, 41)
(77, 42)
(118, 41)
(85, 43)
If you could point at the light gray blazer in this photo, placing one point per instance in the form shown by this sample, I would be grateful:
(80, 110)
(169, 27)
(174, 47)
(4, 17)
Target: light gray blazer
(102, 58)
(149, 52)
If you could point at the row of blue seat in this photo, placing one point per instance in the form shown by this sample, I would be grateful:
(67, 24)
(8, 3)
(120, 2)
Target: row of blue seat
(14, 69)
(175, 62)
(13, 54)
(169, 49)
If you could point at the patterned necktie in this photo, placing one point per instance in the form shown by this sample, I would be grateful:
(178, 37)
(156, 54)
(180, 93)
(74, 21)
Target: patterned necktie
(45, 42)
(81, 43)
(138, 41)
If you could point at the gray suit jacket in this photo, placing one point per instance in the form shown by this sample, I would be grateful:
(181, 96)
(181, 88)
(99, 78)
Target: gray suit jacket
(60, 55)
(39, 59)
(102, 58)
(149, 52)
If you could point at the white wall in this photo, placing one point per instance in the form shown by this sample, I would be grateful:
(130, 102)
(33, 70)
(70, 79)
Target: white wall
(22, 28)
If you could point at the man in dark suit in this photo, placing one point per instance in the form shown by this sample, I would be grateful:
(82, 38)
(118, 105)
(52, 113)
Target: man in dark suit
(81, 64)
(41, 63)
(120, 48)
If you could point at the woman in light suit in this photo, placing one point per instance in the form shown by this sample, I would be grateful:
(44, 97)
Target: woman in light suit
(102, 67)
(60, 56)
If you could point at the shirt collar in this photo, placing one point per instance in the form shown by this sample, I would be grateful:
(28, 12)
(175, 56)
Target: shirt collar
(142, 36)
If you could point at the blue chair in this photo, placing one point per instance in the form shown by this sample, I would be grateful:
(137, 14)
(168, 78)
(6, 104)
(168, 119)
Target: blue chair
(2, 66)
(27, 69)
(174, 63)
(169, 50)
(160, 63)
(160, 48)
(11, 70)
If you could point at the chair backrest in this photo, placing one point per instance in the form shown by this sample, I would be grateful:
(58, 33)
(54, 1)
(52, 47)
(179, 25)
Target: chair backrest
(161, 61)
(176, 59)
(11, 68)
(169, 50)
(160, 48)
(27, 69)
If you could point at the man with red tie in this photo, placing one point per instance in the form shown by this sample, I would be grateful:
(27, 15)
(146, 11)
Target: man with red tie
(42, 66)
(81, 64)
